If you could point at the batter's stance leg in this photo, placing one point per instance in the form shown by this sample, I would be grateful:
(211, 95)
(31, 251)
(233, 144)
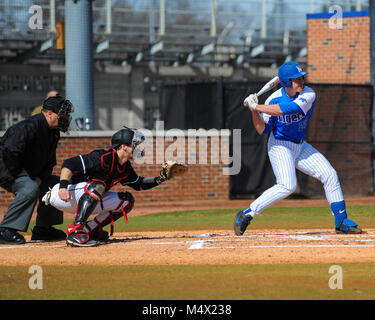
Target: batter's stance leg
(315, 164)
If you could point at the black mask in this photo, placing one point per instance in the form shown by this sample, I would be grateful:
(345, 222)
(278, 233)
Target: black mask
(62, 107)
(64, 116)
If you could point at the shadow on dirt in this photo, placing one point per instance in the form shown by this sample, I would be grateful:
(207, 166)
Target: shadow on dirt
(140, 238)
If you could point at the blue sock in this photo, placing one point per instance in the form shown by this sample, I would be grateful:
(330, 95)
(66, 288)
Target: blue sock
(339, 211)
(246, 211)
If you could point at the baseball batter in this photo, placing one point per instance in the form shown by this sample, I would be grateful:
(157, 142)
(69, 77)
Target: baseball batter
(286, 115)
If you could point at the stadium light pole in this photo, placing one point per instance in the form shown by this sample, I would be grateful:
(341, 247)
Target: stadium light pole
(79, 61)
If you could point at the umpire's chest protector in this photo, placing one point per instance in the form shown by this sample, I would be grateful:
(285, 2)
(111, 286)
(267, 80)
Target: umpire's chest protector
(30, 145)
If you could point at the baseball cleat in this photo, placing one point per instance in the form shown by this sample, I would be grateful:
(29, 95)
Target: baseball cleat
(80, 239)
(349, 230)
(11, 236)
(348, 226)
(100, 235)
(241, 223)
(47, 234)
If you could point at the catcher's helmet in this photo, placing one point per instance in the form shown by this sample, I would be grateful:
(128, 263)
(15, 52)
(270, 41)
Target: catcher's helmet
(290, 70)
(62, 107)
(127, 136)
(123, 136)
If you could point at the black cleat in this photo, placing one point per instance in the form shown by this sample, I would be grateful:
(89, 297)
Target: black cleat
(241, 223)
(349, 230)
(10, 236)
(80, 239)
(100, 235)
(47, 234)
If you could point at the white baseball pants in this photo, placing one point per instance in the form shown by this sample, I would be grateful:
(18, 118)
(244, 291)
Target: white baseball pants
(110, 201)
(285, 157)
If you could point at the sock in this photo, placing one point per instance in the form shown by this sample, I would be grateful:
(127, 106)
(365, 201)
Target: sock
(248, 211)
(339, 211)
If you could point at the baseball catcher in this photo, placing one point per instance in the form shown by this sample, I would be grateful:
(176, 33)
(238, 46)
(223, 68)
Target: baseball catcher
(86, 180)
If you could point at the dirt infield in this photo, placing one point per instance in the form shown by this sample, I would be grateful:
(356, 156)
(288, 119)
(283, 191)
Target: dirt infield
(205, 247)
(192, 247)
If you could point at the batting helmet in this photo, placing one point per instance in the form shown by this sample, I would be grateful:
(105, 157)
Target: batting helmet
(290, 70)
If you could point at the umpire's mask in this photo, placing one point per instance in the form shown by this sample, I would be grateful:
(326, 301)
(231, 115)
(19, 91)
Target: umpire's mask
(63, 108)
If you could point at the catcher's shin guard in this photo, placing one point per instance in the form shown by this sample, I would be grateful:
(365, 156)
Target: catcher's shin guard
(93, 193)
(95, 226)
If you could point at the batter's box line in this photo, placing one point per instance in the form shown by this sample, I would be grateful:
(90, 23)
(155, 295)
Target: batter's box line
(288, 246)
(208, 240)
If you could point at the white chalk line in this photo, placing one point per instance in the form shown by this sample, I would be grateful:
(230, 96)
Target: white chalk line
(208, 239)
(198, 244)
(271, 236)
(295, 246)
(20, 246)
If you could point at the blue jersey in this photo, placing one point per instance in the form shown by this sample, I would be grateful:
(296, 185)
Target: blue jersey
(292, 125)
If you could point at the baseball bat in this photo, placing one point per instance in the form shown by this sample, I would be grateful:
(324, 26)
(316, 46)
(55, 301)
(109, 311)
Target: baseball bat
(267, 87)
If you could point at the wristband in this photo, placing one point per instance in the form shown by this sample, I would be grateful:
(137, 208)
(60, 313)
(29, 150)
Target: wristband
(64, 184)
(159, 180)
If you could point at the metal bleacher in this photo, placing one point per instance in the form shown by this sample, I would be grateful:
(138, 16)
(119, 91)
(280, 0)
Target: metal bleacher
(176, 35)
(169, 32)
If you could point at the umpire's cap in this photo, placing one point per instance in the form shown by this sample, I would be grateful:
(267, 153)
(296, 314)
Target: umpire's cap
(123, 136)
(53, 103)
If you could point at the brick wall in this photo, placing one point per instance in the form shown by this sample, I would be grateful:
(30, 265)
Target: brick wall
(338, 55)
(202, 182)
(338, 62)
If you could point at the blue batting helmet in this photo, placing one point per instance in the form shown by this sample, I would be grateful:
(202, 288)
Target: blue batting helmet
(290, 70)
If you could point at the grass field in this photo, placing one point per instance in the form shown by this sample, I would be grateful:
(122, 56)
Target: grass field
(207, 282)
(204, 282)
(273, 218)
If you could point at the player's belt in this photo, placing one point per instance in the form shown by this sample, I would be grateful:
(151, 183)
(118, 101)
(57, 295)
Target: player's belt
(294, 141)
(297, 141)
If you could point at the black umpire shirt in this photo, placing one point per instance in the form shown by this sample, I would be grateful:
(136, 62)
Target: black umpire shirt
(30, 145)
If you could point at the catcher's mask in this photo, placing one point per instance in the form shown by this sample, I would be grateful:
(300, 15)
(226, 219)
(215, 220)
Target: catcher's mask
(131, 137)
(63, 108)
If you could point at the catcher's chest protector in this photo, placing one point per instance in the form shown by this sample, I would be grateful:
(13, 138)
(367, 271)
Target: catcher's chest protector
(110, 171)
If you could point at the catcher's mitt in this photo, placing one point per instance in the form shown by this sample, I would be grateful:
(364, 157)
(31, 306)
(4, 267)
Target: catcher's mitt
(171, 168)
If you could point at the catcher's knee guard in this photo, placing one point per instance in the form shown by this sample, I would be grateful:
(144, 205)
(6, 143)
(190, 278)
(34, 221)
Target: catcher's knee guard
(127, 200)
(93, 193)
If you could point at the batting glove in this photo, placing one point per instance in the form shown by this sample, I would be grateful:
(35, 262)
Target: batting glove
(251, 101)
